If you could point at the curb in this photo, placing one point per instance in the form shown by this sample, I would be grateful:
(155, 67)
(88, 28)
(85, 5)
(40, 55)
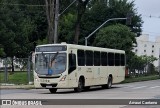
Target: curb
(16, 86)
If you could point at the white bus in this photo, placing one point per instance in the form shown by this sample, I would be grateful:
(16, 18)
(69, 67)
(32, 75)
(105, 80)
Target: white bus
(60, 66)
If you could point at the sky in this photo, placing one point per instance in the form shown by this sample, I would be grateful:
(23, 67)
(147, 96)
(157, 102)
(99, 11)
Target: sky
(150, 11)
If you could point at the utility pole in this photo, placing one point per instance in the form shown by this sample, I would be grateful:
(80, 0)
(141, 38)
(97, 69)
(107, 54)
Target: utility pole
(56, 21)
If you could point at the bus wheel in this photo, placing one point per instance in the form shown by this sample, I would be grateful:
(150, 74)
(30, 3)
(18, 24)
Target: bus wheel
(80, 86)
(109, 84)
(87, 88)
(53, 90)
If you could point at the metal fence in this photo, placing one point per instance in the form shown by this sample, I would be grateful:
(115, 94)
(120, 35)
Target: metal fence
(16, 70)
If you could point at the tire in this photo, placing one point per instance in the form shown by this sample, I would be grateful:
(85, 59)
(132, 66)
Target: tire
(53, 90)
(109, 83)
(104, 86)
(80, 86)
(87, 88)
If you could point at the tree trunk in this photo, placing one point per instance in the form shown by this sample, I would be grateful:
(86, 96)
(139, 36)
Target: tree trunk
(81, 10)
(77, 33)
(12, 65)
(50, 18)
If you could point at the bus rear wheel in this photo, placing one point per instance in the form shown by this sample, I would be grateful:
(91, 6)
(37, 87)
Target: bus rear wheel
(87, 88)
(80, 86)
(109, 84)
(53, 90)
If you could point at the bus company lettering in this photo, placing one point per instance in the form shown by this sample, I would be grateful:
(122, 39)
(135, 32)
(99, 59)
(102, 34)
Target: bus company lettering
(89, 70)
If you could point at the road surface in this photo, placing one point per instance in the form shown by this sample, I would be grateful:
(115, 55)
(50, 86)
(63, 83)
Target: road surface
(137, 90)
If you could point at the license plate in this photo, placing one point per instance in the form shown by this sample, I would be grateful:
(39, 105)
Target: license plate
(44, 80)
(47, 86)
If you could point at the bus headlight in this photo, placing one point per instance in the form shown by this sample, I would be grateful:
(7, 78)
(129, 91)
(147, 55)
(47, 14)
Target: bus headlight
(63, 78)
(36, 79)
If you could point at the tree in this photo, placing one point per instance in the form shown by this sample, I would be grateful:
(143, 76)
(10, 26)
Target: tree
(21, 26)
(8, 29)
(50, 5)
(141, 63)
(98, 11)
(66, 28)
(81, 7)
(115, 36)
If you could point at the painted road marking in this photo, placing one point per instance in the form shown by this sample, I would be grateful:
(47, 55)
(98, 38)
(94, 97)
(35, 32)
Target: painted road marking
(139, 87)
(154, 87)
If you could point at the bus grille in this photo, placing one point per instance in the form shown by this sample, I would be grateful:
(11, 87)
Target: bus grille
(44, 85)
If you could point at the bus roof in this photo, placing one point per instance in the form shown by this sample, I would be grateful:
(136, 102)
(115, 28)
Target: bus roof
(82, 47)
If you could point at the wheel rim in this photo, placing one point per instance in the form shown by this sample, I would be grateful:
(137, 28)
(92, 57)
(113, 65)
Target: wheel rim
(109, 82)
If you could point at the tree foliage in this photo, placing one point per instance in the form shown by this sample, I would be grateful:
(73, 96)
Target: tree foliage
(99, 11)
(2, 54)
(115, 36)
(24, 26)
(140, 62)
(21, 26)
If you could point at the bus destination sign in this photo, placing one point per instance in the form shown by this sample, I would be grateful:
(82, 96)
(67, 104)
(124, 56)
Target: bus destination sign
(51, 48)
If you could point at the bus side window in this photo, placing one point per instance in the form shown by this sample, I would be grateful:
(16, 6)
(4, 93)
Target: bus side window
(81, 57)
(122, 60)
(89, 58)
(72, 63)
(96, 58)
(111, 59)
(104, 58)
(117, 59)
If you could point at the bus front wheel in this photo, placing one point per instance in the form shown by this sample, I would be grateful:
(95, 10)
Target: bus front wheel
(80, 86)
(53, 90)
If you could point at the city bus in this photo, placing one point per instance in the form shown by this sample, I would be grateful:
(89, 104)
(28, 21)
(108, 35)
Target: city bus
(63, 66)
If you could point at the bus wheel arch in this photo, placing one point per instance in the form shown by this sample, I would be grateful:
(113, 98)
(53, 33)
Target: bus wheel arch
(81, 83)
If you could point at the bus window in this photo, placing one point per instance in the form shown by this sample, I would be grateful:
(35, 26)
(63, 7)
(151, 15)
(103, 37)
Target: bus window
(111, 59)
(96, 58)
(89, 58)
(72, 63)
(81, 57)
(122, 59)
(104, 58)
(117, 59)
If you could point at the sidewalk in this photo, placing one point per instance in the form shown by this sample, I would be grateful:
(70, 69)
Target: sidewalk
(13, 86)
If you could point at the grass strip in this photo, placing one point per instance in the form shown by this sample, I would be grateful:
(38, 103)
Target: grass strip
(141, 78)
(16, 77)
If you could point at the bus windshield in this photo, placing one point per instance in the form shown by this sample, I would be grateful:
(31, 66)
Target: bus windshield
(50, 63)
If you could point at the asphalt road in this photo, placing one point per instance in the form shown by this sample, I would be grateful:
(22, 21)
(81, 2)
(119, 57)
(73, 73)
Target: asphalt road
(137, 90)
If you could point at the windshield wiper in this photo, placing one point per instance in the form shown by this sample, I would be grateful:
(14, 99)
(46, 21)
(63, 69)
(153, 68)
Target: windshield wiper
(45, 59)
(53, 58)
